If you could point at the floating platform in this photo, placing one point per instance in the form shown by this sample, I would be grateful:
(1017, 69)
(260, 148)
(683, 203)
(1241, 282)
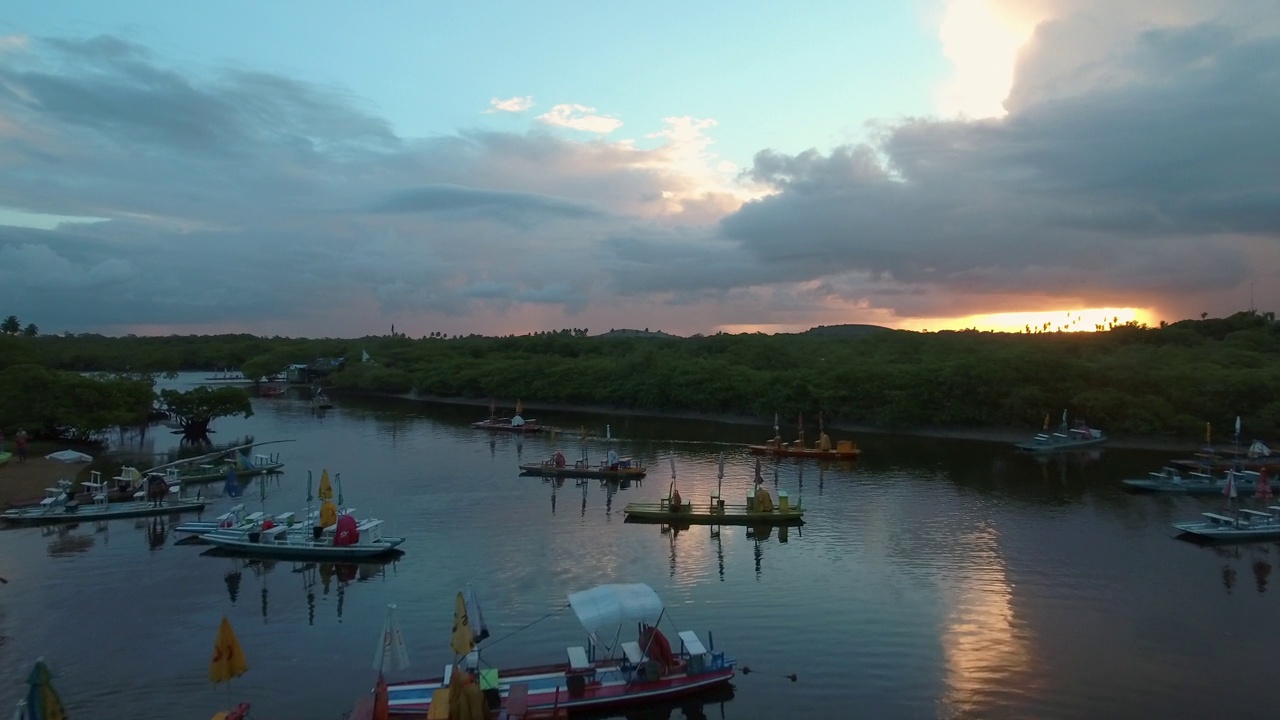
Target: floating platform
(1244, 526)
(75, 512)
(606, 472)
(687, 514)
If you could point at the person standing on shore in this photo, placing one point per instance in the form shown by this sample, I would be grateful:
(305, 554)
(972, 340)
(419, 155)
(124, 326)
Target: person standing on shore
(20, 440)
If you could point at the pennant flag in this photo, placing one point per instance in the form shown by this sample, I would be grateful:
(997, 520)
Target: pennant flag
(228, 659)
(391, 651)
(462, 640)
(42, 700)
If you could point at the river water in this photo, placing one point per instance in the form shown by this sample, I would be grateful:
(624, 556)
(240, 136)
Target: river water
(933, 578)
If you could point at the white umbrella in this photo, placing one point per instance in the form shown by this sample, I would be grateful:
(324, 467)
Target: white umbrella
(391, 649)
(21, 712)
(69, 456)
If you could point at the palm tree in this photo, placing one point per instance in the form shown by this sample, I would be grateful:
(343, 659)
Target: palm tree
(11, 325)
(31, 330)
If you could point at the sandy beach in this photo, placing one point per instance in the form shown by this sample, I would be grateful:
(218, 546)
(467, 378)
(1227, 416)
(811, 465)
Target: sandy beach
(27, 481)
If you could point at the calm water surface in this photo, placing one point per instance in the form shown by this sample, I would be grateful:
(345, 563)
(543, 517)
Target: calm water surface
(935, 578)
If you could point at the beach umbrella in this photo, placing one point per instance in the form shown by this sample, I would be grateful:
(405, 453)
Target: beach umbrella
(519, 407)
(1046, 421)
(228, 659)
(42, 700)
(338, 478)
(391, 650)
(1230, 488)
(759, 477)
(1237, 427)
(1263, 490)
(326, 488)
(775, 424)
(309, 486)
(462, 641)
(381, 700)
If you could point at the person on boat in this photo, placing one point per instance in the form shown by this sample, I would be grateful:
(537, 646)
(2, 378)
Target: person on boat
(824, 442)
(675, 501)
(763, 500)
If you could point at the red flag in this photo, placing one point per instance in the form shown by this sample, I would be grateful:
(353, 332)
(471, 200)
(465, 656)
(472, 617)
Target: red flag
(1263, 490)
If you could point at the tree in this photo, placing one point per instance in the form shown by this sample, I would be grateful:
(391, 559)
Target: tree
(195, 409)
(31, 330)
(11, 325)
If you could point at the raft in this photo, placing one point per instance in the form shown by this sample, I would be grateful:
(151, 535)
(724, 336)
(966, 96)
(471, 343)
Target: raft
(714, 513)
(608, 472)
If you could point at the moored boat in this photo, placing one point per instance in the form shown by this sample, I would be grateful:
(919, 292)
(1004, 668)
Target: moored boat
(822, 450)
(1064, 438)
(759, 509)
(612, 467)
(1199, 482)
(517, 423)
(75, 512)
(1240, 525)
(346, 539)
(606, 673)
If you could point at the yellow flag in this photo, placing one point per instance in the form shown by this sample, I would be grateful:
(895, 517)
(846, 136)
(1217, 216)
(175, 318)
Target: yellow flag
(326, 489)
(228, 659)
(462, 641)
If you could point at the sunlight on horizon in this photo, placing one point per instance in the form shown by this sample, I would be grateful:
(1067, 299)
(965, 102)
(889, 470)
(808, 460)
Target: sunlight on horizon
(1077, 320)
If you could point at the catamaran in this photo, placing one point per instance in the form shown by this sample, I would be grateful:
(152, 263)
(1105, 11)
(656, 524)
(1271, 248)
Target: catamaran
(606, 673)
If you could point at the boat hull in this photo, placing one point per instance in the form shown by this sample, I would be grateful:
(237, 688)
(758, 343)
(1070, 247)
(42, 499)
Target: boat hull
(784, 451)
(1060, 446)
(106, 511)
(549, 688)
(632, 473)
(730, 515)
(1219, 533)
(1192, 488)
(300, 547)
(501, 427)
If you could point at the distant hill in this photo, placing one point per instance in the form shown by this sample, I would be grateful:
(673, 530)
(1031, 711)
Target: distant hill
(846, 330)
(623, 332)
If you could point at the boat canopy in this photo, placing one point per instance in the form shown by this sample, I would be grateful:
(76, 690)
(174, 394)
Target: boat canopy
(608, 606)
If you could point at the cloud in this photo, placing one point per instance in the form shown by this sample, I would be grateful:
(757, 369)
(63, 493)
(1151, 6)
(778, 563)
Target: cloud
(516, 104)
(580, 117)
(1147, 186)
(256, 201)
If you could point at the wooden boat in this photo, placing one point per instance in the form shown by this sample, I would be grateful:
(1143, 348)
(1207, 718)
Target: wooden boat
(1197, 482)
(1244, 525)
(1076, 438)
(75, 512)
(823, 449)
(605, 674)
(340, 542)
(517, 423)
(612, 468)
(758, 510)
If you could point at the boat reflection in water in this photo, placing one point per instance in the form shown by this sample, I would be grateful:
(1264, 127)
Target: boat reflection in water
(702, 706)
(610, 486)
(315, 578)
(1256, 556)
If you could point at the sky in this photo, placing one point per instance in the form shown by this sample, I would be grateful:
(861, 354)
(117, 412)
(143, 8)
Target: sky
(330, 169)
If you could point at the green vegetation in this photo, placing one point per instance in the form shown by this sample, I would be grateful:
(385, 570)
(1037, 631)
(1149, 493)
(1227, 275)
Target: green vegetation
(196, 408)
(1129, 380)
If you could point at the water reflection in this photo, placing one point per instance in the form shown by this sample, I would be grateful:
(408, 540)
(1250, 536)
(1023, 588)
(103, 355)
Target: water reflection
(316, 579)
(67, 539)
(703, 706)
(1256, 556)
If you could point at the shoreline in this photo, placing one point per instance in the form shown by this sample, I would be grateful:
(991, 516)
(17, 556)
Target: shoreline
(985, 434)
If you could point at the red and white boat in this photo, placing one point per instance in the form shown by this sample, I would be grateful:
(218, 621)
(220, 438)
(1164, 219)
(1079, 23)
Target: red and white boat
(609, 672)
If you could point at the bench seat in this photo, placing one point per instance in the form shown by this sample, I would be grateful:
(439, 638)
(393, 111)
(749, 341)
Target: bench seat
(631, 650)
(692, 644)
(578, 659)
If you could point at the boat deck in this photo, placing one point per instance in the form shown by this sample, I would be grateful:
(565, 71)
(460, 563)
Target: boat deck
(710, 515)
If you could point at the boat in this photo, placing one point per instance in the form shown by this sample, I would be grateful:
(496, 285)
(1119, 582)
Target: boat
(612, 467)
(823, 449)
(328, 534)
(1080, 436)
(319, 400)
(270, 391)
(1243, 524)
(4, 457)
(1239, 525)
(1198, 482)
(517, 423)
(195, 472)
(345, 540)
(73, 511)
(608, 672)
(226, 376)
(759, 509)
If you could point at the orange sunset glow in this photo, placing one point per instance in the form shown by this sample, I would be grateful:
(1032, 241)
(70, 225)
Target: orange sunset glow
(1078, 320)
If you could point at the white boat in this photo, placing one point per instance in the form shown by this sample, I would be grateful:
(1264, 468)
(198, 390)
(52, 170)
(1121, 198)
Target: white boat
(1078, 437)
(66, 512)
(347, 539)
(1244, 524)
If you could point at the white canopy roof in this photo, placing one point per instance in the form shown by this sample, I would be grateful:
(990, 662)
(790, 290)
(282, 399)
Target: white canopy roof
(608, 606)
